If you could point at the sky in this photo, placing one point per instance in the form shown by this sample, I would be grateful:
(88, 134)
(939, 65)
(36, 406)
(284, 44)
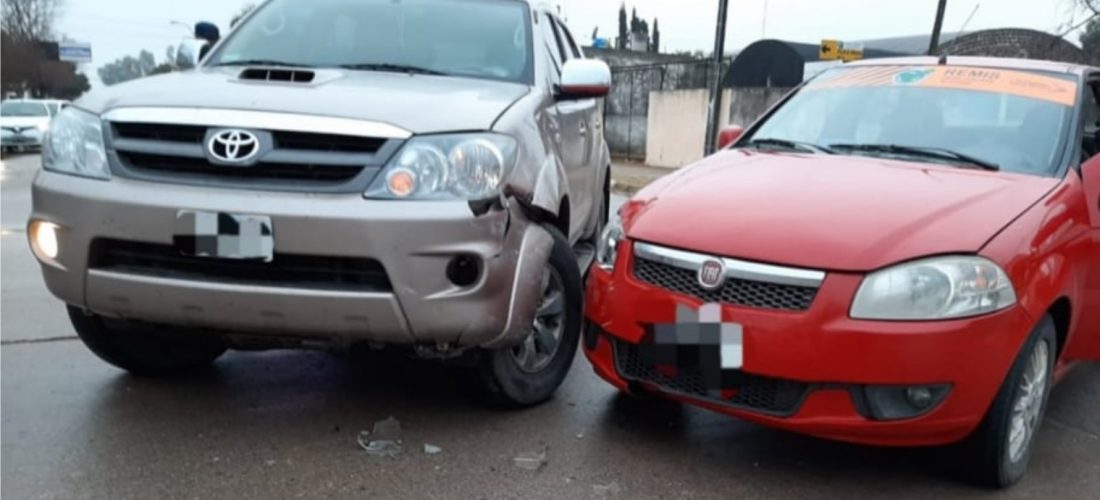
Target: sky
(117, 28)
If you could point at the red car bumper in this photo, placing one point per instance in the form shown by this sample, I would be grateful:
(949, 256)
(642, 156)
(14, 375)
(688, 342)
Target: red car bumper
(820, 357)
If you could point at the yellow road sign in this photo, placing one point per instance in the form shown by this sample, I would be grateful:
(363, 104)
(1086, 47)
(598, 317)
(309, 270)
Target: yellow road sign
(832, 50)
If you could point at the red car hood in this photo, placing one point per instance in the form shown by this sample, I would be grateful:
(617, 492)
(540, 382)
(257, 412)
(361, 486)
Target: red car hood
(837, 213)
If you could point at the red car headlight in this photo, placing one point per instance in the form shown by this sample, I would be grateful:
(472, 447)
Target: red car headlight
(934, 289)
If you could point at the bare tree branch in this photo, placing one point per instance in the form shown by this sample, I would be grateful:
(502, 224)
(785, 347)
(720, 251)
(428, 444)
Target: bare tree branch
(28, 20)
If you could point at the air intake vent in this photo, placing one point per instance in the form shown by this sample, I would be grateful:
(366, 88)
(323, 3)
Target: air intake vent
(278, 75)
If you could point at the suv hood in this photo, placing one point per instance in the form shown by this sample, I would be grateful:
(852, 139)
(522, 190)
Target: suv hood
(418, 103)
(839, 213)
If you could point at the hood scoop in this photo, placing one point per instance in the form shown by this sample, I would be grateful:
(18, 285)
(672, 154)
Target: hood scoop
(278, 75)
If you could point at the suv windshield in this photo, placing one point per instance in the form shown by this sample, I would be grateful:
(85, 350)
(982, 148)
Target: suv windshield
(973, 117)
(22, 108)
(474, 38)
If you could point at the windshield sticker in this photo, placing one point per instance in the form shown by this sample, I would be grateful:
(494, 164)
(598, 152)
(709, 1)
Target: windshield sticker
(1018, 83)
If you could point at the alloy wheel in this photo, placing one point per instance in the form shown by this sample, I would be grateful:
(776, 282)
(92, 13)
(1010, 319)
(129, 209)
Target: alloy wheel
(538, 349)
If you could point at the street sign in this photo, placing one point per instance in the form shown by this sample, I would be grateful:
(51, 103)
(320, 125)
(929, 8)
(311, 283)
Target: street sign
(78, 52)
(836, 50)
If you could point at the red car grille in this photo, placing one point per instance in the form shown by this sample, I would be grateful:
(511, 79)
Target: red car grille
(738, 292)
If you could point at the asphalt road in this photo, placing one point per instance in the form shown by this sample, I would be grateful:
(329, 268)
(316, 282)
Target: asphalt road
(285, 425)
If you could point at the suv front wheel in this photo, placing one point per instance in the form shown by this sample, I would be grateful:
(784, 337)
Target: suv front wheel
(528, 374)
(145, 349)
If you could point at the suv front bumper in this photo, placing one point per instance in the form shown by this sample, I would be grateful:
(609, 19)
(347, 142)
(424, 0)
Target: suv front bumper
(413, 241)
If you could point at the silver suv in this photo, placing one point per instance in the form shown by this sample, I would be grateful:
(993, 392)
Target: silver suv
(336, 173)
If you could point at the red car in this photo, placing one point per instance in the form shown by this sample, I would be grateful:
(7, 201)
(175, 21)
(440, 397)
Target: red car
(902, 252)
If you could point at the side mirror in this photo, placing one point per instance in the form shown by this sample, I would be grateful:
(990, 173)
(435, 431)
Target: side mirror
(584, 79)
(729, 135)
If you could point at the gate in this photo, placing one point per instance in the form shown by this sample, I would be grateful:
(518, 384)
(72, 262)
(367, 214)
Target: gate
(626, 109)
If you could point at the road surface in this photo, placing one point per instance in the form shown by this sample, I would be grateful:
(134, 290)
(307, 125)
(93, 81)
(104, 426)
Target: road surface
(285, 425)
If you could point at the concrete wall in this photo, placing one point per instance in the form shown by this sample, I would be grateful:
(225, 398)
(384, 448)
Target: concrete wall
(677, 121)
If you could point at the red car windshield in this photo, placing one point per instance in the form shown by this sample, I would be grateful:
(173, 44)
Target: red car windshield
(1015, 120)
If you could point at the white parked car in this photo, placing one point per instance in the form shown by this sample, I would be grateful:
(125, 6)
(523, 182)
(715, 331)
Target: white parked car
(24, 122)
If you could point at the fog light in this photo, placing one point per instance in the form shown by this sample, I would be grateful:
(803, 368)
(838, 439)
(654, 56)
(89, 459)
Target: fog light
(464, 270)
(919, 397)
(898, 403)
(44, 239)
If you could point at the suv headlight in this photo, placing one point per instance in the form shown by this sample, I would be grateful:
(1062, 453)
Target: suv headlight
(447, 167)
(607, 248)
(74, 145)
(934, 289)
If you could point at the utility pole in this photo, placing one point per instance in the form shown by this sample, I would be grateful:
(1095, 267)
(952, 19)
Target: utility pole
(714, 114)
(934, 44)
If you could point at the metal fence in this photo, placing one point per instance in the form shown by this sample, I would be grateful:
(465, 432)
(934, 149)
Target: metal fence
(626, 110)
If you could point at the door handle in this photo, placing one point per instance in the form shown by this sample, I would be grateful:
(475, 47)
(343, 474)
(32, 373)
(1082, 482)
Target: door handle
(584, 129)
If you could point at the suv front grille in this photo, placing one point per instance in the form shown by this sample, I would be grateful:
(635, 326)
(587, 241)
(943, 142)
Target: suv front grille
(160, 132)
(285, 270)
(755, 393)
(299, 153)
(738, 292)
(199, 168)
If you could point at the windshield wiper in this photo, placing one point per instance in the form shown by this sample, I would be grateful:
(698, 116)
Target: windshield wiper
(920, 151)
(788, 144)
(394, 68)
(262, 62)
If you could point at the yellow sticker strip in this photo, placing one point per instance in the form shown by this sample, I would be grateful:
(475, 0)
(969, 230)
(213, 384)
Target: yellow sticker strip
(1018, 83)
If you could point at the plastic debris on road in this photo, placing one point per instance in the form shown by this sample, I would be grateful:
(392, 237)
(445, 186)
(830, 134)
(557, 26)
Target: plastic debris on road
(431, 449)
(530, 460)
(384, 440)
(607, 490)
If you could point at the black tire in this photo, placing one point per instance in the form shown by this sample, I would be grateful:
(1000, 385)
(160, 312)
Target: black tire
(991, 463)
(499, 379)
(144, 349)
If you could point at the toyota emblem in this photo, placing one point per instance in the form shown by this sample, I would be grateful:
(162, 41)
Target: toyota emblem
(233, 145)
(712, 274)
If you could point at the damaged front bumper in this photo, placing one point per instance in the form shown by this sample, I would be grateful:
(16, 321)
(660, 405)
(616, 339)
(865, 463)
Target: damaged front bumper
(345, 269)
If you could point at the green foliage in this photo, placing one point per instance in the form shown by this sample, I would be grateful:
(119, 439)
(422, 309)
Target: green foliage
(1090, 39)
(623, 33)
(128, 68)
(655, 46)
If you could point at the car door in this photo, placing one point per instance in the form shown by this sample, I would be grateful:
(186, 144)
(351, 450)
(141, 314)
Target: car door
(576, 137)
(591, 135)
(1085, 342)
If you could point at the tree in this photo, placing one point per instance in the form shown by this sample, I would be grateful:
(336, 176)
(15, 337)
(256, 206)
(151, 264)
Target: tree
(128, 68)
(655, 47)
(623, 33)
(29, 61)
(1090, 39)
(241, 14)
(28, 20)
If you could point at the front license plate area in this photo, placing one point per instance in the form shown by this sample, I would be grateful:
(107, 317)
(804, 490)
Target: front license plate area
(224, 236)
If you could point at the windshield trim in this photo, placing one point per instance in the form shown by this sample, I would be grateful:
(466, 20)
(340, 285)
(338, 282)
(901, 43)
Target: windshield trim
(213, 58)
(1065, 148)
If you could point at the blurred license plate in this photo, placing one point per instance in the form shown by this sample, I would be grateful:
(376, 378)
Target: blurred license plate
(224, 236)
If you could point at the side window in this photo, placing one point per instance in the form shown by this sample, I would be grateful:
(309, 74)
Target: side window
(551, 24)
(570, 44)
(552, 42)
(1091, 141)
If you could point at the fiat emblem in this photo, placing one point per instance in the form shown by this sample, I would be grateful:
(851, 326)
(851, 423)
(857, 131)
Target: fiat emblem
(712, 274)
